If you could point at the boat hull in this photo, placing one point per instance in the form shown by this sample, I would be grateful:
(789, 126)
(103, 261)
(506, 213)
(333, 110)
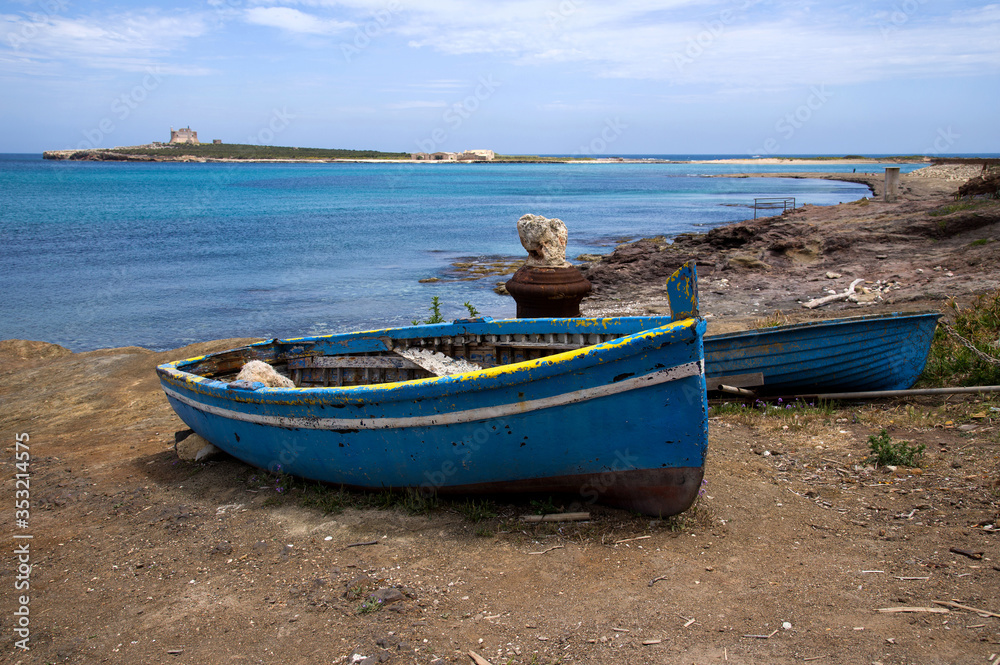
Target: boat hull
(623, 422)
(884, 352)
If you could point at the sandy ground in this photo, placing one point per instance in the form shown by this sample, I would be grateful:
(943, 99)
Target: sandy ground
(788, 557)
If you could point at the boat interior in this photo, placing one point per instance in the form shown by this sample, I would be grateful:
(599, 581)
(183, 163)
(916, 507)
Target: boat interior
(321, 362)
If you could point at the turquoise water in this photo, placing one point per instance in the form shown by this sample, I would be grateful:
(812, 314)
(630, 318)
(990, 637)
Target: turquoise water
(100, 254)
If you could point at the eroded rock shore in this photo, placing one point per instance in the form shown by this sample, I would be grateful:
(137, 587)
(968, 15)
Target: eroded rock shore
(912, 254)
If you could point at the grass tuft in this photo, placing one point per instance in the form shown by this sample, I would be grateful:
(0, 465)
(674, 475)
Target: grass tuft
(887, 453)
(961, 205)
(952, 363)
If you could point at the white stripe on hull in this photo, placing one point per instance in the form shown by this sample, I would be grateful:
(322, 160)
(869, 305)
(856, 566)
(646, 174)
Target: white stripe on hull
(454, 417)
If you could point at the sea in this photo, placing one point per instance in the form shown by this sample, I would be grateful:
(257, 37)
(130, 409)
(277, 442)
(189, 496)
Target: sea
(160, 255)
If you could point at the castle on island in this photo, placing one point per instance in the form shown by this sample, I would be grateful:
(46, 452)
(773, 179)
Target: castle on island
(467, 156)
(183, 135)
(187, 135)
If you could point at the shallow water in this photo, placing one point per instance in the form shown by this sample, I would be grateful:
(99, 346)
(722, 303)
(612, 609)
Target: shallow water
(100, 254)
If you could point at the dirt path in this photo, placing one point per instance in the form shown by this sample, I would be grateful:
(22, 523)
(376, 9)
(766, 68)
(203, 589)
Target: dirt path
(788, 556)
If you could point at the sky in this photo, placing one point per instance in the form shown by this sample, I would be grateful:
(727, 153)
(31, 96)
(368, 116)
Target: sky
(582, 77)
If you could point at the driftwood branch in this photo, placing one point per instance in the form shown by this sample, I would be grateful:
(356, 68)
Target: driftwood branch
(930, 610)
(629, 540)
(556, 547)
(763, 637)
(367, 542)
(477, 659)
(819, 302)
(960, 606)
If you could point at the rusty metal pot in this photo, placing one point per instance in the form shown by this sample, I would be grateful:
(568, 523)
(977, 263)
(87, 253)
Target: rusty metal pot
(542, 292)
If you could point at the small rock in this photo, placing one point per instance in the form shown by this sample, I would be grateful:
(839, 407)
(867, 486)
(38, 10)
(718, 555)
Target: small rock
(833, 275)
(222, 548)
(193, 448)
(388, 596)
(786, 625)
(881, 256)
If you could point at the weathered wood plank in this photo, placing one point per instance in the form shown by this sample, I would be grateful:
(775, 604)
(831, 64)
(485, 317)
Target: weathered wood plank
(352, 362)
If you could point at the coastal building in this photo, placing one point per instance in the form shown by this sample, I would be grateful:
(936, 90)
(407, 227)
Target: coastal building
(487, 155)
(467, 156)
(217, 141)
(183, 135)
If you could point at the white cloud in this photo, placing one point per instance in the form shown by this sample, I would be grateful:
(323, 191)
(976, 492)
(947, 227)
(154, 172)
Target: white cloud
(127, 42)
(724, 43)
(293, 20)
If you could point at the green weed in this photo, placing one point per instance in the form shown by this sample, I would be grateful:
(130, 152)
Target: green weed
(326, 499)
(437, 317)
(543, 506)
(960, 205)
(887, 453)
(773, 320)
(435, 310)
(952, 363)
(477, 511)
(369, 605)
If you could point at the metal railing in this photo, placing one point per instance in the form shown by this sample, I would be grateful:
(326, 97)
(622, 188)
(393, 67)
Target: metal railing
(781, 203)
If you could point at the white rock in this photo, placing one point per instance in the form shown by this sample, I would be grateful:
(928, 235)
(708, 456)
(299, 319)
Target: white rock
(545, 240)
(196, 449)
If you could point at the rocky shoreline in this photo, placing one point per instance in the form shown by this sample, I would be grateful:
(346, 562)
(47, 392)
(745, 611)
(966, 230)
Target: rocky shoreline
(913, 254)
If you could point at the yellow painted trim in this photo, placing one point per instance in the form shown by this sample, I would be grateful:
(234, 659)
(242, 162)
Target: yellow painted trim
(491, 372)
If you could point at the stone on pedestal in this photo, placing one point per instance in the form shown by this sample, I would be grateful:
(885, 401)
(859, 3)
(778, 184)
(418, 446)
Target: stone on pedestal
(547, 285)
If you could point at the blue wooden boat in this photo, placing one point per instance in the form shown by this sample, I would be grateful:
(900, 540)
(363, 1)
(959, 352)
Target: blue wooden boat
(610, 410)
(864, 353)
